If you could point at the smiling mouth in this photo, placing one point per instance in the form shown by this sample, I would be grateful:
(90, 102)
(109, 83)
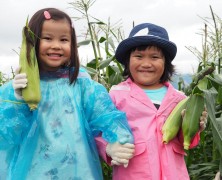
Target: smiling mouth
(145, 71)
(54, 55)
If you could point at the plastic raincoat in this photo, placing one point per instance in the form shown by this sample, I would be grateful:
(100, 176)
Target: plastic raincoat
(56, 141)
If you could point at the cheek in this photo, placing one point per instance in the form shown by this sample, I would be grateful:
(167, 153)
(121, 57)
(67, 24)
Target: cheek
(68, 51)
(162, 69)
(132, 65)
(131, 69)
(161, 66)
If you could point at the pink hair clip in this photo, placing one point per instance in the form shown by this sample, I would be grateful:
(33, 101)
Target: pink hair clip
(47, 15)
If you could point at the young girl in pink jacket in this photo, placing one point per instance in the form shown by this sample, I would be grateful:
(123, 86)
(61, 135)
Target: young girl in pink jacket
(147, 98)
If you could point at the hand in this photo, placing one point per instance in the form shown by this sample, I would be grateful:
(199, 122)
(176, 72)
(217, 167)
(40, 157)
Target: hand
(19, 82)
(120, 153)
(203, 118)
(217, 176)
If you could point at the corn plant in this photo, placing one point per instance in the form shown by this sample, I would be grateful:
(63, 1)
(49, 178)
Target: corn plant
(4, 78)
(102, 37)
(205, 160)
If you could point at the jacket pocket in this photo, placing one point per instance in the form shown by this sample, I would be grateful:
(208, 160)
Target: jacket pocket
(139, 148)
(179, 166)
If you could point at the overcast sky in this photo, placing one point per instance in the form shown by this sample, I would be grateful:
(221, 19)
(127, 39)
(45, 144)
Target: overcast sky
(181, 18)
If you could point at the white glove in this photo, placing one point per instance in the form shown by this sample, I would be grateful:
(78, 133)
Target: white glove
(217, 176)
(120, 153)
(203, 120)
(19, 82)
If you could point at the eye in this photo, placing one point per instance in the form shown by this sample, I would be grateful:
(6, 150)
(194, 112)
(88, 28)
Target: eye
(64, 39)
(137, 56)
(156, 56)
(46, 38)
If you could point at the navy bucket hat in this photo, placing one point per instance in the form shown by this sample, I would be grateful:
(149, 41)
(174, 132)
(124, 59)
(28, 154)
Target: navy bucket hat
(143, 35)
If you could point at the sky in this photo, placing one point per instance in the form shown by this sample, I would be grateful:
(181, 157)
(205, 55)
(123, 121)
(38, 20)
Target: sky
(183, 19)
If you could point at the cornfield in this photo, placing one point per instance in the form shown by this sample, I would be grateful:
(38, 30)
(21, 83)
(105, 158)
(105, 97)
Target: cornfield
(203, 161)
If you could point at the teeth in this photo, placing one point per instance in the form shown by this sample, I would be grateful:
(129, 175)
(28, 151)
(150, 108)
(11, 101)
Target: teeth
(57, 55)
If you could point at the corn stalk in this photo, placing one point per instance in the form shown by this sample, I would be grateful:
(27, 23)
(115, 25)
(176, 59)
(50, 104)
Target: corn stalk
(205, 160)
(102, 37)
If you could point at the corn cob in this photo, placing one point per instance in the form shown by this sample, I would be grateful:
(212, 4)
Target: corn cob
(29, 65)
(173, 122)
(190, 124)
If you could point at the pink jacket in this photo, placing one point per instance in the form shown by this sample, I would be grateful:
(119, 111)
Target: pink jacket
(152, 160)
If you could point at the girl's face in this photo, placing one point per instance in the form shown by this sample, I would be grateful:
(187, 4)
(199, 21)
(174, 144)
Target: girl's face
(55, 44)
(147, 67)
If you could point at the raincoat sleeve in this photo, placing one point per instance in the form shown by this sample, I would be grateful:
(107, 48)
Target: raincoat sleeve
(14, 117)
(103, 117)
(14, 120)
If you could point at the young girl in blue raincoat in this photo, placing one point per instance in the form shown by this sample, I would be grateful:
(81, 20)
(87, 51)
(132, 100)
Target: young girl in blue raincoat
(148, 98)
(56, 141)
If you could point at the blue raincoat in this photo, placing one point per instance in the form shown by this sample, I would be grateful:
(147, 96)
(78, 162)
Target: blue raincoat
(56, 141)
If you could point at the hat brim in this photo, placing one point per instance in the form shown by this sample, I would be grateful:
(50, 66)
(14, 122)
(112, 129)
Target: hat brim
(122, 51)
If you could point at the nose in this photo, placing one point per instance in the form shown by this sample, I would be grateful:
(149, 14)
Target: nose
(147, 62)
(56, 45)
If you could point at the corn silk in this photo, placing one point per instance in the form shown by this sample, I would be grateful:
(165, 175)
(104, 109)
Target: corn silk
(56, 141)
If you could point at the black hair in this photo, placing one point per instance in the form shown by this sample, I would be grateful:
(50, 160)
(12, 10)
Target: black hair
(169, 68)
(36, 23)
